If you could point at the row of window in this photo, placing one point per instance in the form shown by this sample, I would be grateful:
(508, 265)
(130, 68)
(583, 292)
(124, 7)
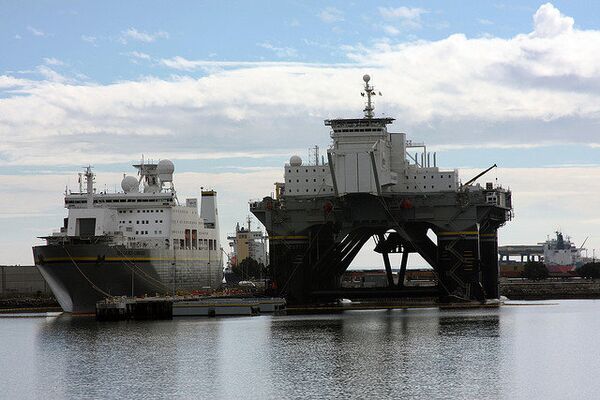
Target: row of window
(425, 187)
(432, 176)
(313, 170)
(359, 130)
(146, 232)
(142, 211)
(298, 180)
(210, 244)
(157, 221)
(323, 189)
(81, 201)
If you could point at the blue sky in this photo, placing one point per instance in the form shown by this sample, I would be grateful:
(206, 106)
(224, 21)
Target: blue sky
(229, 90)
(97, 38)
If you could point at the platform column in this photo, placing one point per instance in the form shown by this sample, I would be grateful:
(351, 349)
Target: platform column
(386, 262)
(402, 272)
(458, 265)
(288, 264)
(490, 268)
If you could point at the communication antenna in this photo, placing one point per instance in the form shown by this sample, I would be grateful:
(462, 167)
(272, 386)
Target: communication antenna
(369, 91)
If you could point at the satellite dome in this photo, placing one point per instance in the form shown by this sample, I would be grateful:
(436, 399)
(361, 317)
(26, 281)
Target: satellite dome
(165, 170)
(366, 78)
(295, 161)
(129, 184)
(166, 167)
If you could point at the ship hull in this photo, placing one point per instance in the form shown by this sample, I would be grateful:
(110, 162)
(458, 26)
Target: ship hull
(562, 269)
(82, 274)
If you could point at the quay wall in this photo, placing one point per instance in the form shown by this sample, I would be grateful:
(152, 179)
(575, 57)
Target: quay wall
(545, 290)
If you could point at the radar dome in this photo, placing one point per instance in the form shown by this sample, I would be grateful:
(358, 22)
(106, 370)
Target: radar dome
(366, 78)
(165, 170)
(295, 161)
(129, 184)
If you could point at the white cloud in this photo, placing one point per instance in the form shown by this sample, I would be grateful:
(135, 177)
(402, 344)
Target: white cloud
(548, 22)
(391, 30)
(410, 18)
(402, 12)
(140, 56)
(140, 36)
(35, 32)
(89, 39)
(50, 75)
(17, 37)
(183, 64)
(484, 21)
(331, 15)
(53, 61)
(281, 52)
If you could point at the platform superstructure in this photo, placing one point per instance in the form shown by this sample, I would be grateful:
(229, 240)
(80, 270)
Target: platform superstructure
(374, 182)
(134, 242)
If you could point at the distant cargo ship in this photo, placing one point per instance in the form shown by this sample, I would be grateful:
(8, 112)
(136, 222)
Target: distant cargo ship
(559, 254)
(135, 242)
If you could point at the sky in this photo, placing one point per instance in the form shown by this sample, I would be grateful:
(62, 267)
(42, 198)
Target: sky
(229, 90)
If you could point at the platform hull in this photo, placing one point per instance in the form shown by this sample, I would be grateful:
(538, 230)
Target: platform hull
(314, 240)
(82, 274)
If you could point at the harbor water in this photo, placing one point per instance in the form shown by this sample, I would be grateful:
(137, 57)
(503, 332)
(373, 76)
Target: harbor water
(528, 350)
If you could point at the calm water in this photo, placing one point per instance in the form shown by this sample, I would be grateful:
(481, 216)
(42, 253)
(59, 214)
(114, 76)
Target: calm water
(548, 350)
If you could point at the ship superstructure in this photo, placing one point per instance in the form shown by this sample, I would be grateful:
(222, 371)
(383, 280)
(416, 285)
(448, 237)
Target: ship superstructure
(374, 182)
(135, 242)
(247, 243)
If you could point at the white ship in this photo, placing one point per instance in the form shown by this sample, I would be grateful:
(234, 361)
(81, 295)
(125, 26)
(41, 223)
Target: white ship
(136, 242)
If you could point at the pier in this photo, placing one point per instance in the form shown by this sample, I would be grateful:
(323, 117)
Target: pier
(147, 308)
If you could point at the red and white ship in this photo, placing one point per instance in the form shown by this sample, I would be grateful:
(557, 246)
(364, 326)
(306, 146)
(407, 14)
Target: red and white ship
(561, 255)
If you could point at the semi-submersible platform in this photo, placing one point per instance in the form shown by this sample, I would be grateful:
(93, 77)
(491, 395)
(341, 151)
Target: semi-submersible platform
(376, 183)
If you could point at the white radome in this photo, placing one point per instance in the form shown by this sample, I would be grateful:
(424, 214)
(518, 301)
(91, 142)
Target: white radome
(166, 167)
(165, 170)
(129, 184)
(295, 161)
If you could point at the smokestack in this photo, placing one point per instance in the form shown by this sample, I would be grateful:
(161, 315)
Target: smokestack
(208, 209)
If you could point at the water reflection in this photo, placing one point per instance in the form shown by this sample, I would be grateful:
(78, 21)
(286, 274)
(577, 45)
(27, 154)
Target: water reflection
(81, 358)
(387, 354)
(520, 352)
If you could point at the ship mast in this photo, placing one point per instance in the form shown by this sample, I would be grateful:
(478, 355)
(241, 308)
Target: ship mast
(89, 180)
(369, 91)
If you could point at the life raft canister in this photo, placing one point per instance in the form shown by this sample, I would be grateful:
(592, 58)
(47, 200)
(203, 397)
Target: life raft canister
(406, 204)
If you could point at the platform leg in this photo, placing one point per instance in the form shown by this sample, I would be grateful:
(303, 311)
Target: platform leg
(402, 272)
(490, 269)
(458, 266)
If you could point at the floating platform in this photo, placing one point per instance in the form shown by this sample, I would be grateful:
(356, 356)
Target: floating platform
(124, 308)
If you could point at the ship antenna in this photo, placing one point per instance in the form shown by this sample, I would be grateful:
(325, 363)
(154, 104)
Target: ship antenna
(369, 91)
